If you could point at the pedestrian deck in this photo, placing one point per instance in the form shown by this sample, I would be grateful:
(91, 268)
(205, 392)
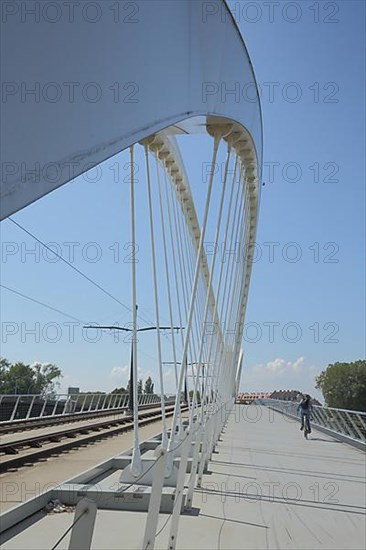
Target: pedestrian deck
(266, 488)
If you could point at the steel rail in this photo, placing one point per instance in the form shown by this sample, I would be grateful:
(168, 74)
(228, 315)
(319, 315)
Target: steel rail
(101, 430)
(43, 422)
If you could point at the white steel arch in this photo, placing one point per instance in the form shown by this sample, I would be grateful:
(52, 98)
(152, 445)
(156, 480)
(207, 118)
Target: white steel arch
(181, 71)
(114, 83)
(245, 149)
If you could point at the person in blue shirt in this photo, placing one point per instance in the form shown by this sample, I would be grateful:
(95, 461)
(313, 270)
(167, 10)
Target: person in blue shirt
(305, 408)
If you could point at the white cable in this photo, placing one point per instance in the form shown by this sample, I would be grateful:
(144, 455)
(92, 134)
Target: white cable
(136, 465)
(194, 289)
(164, 442)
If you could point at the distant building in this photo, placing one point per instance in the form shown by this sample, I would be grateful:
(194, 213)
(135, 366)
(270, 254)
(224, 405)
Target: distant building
(287, 395)
(249, 397)
(284, 395)
(73, 391)
(292, 395)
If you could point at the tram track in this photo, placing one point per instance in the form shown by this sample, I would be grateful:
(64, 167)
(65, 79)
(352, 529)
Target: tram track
(28, 450)
(41, 422)
(34, 423)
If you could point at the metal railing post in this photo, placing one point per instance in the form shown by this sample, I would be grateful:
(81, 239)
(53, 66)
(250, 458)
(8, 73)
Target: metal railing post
(30, 407)
(97, 405)
(83, 405)
(45, 399)
(355, 427)
(15, 409)
(317, 415)
(362, 418)
(66, 404)
(334, 420)
(346, 429)
(55, 407)
(91, 401)
(105, 399)
(75, 404)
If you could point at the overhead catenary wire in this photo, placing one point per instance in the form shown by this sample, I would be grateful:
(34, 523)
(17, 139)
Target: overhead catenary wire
(69, 264)
(43, 304)
(52, 308)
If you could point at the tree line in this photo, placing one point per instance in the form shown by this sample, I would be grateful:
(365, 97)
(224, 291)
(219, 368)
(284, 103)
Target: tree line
(20, 378)
(44, 378)
(343, 385)
(146, 389)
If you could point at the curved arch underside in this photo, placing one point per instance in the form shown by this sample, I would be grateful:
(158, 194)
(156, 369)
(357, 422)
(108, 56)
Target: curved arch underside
(78, 93)
(243, 146)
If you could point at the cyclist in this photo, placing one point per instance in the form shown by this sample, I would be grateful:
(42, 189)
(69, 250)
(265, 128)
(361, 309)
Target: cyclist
(305, 408)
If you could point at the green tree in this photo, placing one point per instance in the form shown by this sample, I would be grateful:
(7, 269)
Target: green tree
(120, 390)
(4, 367)
(149, 386)
(139, 386)
(47, 377)
(19, 378)
(198, 396)
(343, 385)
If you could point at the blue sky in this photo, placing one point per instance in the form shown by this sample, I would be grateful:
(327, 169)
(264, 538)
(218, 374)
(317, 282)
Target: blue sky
(329, 287)
(302, 315)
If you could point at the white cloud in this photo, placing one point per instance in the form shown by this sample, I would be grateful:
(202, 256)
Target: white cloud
(297, 364)
(119, 372)
(169, 373)
(123, 374)
(275, 366)
(280, 373)
(143, 374)
(280, 365)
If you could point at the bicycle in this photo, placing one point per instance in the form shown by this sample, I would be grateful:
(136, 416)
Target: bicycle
(307, 428)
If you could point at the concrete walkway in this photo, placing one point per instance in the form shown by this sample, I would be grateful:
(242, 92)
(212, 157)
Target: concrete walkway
(267, 488)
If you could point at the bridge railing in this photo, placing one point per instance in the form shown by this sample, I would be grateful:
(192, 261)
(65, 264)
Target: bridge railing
(24, 407)
(351, 425)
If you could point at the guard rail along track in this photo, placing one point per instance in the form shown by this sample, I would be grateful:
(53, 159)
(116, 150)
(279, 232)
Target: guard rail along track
(20, 407)
(29, 422)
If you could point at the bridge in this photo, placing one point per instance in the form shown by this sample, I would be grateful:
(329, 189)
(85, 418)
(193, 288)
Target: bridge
(200, 479)
(265, 486)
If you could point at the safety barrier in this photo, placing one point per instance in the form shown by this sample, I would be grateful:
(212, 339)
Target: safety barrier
(24, 407)
(347, 425)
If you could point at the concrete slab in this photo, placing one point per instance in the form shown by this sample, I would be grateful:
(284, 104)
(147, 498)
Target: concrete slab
(30, 481)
